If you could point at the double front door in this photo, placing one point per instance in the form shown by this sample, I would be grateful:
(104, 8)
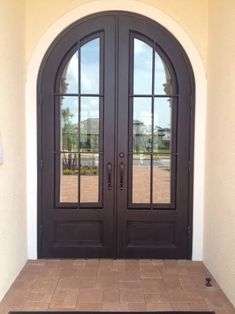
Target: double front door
(115, 95)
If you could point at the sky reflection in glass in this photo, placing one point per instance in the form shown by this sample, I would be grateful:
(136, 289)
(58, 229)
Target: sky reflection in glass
(69, 79)
(162, 111)
(69, 110)
(142, 82)
(89, 108)
(90, 66)
(142, 67)
(163, 83)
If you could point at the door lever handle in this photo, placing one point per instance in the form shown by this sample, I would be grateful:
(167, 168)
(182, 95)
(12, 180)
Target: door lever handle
(121, 176)
(109, 176)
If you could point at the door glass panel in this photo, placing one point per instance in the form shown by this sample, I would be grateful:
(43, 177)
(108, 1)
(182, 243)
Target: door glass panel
(89, 178)
(90, 67)
(80, 127)
(162, 124)
(69, 78)
(142, 125)
(162, 178)
(69, 178)
(163, 80)
(143, 59)
(69, 123)
(141, 178)
(89, 124)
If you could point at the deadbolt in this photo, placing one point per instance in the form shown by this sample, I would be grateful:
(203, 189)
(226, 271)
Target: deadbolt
(121, 155)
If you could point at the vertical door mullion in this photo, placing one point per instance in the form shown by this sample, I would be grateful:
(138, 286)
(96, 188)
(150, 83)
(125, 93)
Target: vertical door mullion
(79, 120)
(152, 129)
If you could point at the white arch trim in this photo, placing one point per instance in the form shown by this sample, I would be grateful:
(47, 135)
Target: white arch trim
(200, 114)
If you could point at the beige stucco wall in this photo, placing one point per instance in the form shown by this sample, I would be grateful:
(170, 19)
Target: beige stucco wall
(13, 249)
(219, 242)
(190, 14)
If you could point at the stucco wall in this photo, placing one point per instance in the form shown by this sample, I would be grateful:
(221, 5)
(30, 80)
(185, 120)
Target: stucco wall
(13, 250)
(219, 241)
(191, 15)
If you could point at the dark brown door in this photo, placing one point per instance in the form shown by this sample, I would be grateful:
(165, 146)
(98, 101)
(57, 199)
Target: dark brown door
(115, 95)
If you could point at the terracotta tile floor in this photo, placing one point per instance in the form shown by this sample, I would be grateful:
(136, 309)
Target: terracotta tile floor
(120, 285)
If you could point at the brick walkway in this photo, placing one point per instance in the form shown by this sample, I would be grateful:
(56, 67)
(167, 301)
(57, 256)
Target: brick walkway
(114, 285)
(141, 186)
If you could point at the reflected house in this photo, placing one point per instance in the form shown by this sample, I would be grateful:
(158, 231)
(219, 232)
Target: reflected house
(142, 137)
(89, 142)
(138, 127)
(89, 135)
(162, 137)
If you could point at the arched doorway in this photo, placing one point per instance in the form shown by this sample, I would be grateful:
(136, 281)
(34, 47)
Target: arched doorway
(115, 125)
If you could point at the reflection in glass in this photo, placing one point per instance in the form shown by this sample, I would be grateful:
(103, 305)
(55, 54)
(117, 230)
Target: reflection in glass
(89, 124)
(69, 78)
(69, 178)
(90, 56)
(69, 123)
(89, 178)
(141, 178)
(143, 55)
(162, 125)
(142, 125)
(162, 178)
(163, 80)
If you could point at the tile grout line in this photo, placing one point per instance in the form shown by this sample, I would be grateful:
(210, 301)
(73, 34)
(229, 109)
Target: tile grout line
(59, 277)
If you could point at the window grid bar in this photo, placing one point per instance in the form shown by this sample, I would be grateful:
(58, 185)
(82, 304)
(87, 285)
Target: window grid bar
(152, 127)
(79, 120)
(154, 153)
(77, 152)
(101, 116)
(153, 95)
(79, 95)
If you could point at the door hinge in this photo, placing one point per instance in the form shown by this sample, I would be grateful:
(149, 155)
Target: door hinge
(41, 229)
(189, 165)
(40, 99)
(41, 165)
(189, 231)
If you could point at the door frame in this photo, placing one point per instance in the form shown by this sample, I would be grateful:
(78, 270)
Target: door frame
(183, 76)
(34, 65)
